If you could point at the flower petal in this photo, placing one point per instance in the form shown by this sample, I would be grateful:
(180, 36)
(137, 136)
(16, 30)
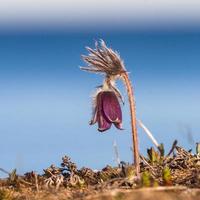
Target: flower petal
(111, 107)
(118, 125)
(98, 115)
(94, 117)
(103, 123)
(97, 108)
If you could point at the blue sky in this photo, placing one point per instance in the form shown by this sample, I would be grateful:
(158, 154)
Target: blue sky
(45, 100)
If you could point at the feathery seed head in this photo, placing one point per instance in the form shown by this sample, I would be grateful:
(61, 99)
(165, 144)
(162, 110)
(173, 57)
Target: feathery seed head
(103, 60)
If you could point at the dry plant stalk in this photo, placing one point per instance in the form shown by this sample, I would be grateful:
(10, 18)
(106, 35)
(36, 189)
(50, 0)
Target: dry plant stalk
(117, 158)
(133, 121)
(149, 134)
(107, 110)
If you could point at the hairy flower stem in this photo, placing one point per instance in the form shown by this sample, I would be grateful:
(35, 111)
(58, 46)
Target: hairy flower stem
(133, 122)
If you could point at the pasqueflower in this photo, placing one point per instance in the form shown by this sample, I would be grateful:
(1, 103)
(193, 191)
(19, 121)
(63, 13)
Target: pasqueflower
(107, 111)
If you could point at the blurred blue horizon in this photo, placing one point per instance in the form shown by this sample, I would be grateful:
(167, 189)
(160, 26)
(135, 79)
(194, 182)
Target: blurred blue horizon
(99, 15)
(46, 100)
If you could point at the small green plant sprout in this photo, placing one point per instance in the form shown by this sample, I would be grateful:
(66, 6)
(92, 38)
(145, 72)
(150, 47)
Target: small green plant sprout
(107, 109)
(153, 155)
(156, 156)
(146, 179)
(167, 176)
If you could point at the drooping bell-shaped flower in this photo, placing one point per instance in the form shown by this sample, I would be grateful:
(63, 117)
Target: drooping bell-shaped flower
(107, 111)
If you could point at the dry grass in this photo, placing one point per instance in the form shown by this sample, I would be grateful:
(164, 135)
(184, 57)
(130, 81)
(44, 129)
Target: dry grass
(177, 172)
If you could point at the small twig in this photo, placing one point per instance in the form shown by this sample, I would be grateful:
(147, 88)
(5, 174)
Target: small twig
(59, 181)
(36, 182)
(149, 134)
(144, 160)
(25, 182)
(116, 153)
(3, 170)
(20, 179)
(198, 149)
(173, 147)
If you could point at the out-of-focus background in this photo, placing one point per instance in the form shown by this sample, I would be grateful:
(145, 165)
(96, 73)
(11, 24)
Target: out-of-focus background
(45, 100)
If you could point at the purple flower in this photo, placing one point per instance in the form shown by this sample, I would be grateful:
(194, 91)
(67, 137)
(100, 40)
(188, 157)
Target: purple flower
(107, 111)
